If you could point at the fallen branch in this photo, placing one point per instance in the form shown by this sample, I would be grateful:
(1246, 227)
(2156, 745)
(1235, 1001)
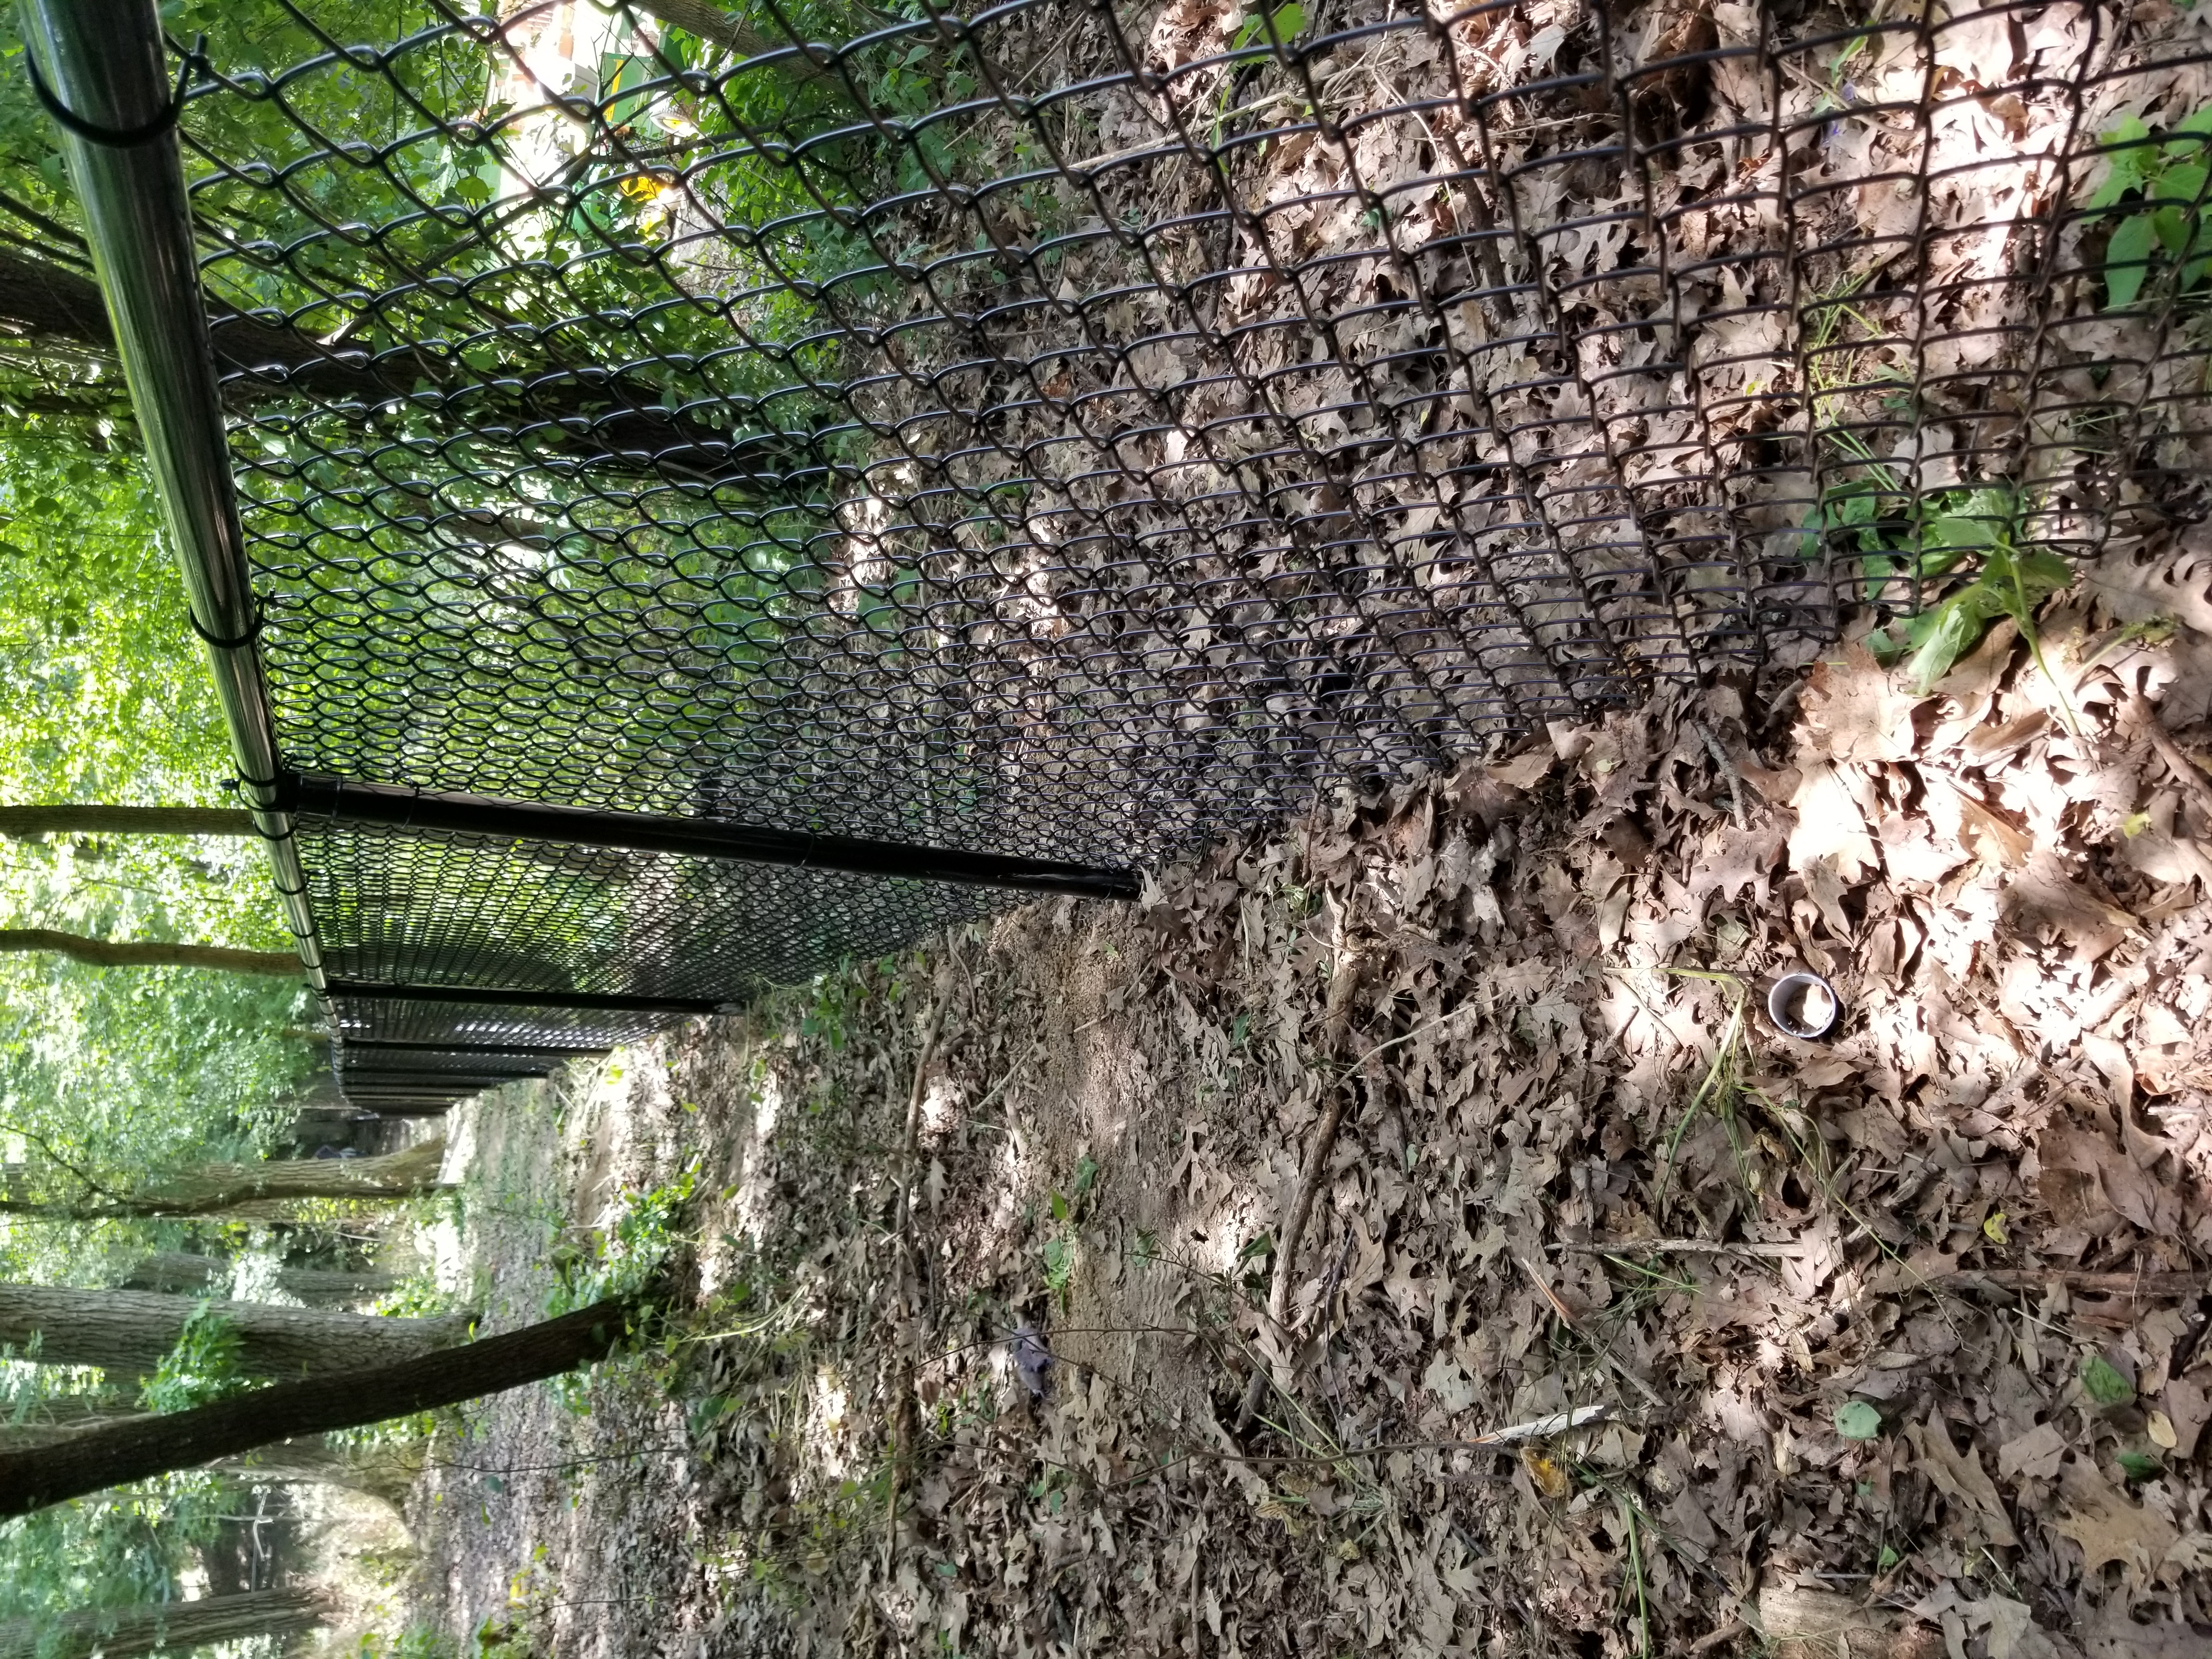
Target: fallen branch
(2186, 772)
(1336, 1021)
(1542, 1428)
(2145, 1285)
(1684, 1247)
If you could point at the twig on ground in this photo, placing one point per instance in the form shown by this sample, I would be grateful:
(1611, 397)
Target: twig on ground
(1336, 1020)
(1542, 1428)
(2138, 1286)
(1604, 1348)
(1729, 773)
(1682, 1247)
(2186, 772)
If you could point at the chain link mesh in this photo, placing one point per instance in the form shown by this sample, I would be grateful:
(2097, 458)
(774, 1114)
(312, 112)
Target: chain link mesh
(1073, 432)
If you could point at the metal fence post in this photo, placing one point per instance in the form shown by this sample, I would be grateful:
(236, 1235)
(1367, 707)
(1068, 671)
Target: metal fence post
(103, 75)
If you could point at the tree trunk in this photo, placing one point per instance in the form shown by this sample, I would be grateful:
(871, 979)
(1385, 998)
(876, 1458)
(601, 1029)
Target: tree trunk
(174, 1271)
(19, 822)
(215, 1188)
(711, 22)
(176, 1627)
(381, 1475)
(124, 1452)
(130, 953)
(62, 1416)
(618, 421)
(384, 1477)
(129, 1332)
(322, 1287)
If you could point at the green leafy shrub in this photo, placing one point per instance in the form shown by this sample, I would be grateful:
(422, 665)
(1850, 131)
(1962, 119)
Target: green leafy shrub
(203, 1366)
(1925, 537)
(2158, 180)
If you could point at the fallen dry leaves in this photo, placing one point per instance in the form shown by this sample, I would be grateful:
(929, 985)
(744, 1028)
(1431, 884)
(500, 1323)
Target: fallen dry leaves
(1576, 1170)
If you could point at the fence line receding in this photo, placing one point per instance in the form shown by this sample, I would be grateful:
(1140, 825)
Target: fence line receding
(1051, 436)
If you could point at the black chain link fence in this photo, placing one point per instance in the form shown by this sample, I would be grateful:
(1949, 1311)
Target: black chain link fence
(1068, 431)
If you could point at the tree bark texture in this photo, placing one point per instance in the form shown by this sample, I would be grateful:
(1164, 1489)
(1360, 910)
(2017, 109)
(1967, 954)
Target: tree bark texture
(176, 1627)
(385, 1477)
(214, 1188)
(20, 822)
(128, 1332)
(124, 1452)
(176, 1272)
(112, 953)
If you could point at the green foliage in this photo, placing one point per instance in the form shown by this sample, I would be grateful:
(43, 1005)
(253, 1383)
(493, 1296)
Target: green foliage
(623, 1257)
(203, 1366)
(1282, 24)
(1256, 1265)
(1264, 29)
(2104, 1382)
(2162, 177)
(124, 1074)
(2011, 583)
(2140, 1465)
(1058, 1253)
(1857, 1420)
(125, 1549)
(1898, 535)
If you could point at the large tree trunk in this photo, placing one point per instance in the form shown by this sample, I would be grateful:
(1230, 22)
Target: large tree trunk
(128, 1332)
(18, 822)
(175, 1627)
(215, 1188)
(127, 953)
(124, 1452)
(174, 1271)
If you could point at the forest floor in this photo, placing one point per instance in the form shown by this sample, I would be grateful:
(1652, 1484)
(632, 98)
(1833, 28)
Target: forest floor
(1890, 1344)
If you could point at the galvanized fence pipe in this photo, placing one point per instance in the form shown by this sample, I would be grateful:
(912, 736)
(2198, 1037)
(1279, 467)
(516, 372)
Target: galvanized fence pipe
(103, 73)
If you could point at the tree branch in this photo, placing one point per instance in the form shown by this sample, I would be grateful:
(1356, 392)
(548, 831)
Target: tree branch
(711, 23)
(19, 823)
(130, 953)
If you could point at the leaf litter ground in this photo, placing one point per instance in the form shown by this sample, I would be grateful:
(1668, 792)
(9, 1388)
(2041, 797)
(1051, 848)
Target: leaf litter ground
(1892, 1344)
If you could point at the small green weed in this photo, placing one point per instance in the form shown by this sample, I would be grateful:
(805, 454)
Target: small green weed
(1059, 1251)
(1287, 22)
(2164, 183)
(1059, 1267)
(623, 1258)
(203, 1367)
(1925, 537)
